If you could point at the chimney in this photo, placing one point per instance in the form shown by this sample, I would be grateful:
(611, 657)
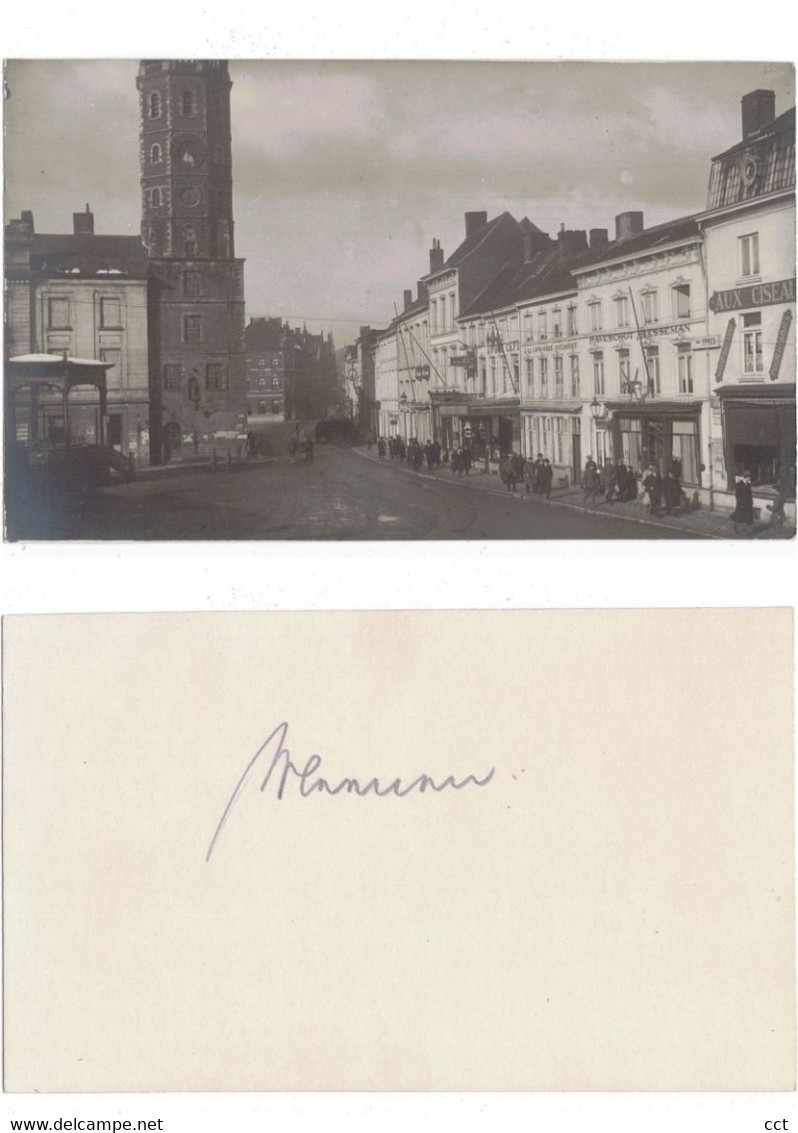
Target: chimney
(408, 298)
(474, 221)
(435, 256)
(422, 289)
(364, 331)
(759, 110)
(571, 241)
(27, 219)
(83, 223)
(628, 224)
(599, 239)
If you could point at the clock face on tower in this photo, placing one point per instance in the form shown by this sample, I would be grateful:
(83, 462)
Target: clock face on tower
(190, 195)
(188, 154)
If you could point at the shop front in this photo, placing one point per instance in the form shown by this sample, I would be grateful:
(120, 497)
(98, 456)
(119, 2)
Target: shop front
(759, 436)
(492, 429)
(665, 434)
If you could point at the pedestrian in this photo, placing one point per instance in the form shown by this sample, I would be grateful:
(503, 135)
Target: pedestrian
(608, 480)
(743, 514)
(538, 485)
(776, 509)
(507, 472)
(548, 476)
(590, 482)
(293, 445)
(672, 491)
(622, 480)
(428, 454)
(529, 475)
(652, 482)
(631, 483)
(381, 448)
(436, 453)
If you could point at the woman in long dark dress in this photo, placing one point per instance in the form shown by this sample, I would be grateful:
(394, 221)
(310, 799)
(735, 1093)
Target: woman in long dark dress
(743, 514)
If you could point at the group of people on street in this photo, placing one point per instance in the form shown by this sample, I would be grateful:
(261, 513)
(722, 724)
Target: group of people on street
(416, 455)
(612, 480)
(300, 445)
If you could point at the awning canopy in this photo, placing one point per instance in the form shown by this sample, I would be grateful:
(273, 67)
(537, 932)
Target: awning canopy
(655, 406)
(758, 394)
(54, 369)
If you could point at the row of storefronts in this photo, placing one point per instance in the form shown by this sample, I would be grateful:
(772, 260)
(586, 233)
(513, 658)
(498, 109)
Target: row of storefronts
(672, 345)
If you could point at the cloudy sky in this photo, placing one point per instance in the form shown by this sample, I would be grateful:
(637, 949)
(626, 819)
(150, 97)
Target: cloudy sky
(343, 172)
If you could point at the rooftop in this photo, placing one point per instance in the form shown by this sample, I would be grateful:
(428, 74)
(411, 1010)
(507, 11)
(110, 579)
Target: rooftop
(88, 254)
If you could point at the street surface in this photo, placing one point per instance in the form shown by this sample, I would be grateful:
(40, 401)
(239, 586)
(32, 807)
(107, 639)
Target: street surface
(340, 495)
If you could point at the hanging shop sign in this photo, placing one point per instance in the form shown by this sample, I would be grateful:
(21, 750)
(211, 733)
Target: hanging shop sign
(724, 350)
(757, 295)
(781, 342)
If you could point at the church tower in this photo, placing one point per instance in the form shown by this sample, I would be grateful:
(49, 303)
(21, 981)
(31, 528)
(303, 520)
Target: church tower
(198, 359)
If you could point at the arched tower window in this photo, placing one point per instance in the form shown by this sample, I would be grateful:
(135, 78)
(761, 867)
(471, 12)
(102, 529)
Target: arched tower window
(189, 240)
(188, 104)
(156, 154)
(157, 198)
(155, 106)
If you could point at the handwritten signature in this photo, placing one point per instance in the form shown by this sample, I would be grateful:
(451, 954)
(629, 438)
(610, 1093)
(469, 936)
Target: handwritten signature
(310, 781)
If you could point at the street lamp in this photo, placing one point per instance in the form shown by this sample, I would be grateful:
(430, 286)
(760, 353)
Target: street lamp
(596, 409)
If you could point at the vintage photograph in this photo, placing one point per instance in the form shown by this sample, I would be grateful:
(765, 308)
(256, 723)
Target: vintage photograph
(286, 300)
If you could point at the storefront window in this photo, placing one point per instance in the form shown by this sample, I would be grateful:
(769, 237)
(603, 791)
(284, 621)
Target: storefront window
(631, 446)
(684, 452)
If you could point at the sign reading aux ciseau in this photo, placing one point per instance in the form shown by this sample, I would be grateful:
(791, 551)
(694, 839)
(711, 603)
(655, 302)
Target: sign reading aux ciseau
(757, 295)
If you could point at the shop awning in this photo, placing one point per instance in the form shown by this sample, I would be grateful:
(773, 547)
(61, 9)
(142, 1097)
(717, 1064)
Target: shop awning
(781, 394)
(494, 409)
(552, 407)
(654, 407)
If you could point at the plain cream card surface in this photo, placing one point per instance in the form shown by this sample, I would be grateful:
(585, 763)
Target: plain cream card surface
(428, 850)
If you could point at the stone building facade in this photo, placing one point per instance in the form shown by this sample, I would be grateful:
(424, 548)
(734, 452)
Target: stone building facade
(198, 359)
(749, 239)
(88, 296)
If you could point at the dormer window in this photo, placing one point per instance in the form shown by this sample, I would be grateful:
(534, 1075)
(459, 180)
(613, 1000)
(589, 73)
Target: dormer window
(155, 105)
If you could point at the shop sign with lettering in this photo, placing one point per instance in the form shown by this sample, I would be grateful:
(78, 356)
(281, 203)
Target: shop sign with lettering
(781, 342)
(645, 333)
(757, 295)
(555, 347)
(724, 353)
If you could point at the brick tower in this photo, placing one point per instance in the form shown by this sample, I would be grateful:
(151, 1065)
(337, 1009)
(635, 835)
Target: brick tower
(197, 355)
